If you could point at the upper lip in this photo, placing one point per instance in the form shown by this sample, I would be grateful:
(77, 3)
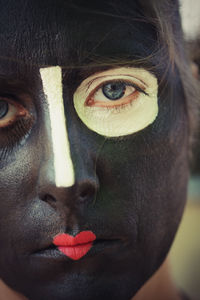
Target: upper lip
(66, 240)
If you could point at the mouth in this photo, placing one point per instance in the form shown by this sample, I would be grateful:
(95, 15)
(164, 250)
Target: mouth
(78, 251)
(74, 247)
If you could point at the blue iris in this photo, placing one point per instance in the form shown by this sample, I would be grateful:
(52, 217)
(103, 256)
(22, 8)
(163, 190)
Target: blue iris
(114, 90)
(3, 109)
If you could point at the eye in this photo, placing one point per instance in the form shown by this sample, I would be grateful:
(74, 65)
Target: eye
(15, 124)
(3, 109)
(10, 112)
(114, 94)
(117, 102)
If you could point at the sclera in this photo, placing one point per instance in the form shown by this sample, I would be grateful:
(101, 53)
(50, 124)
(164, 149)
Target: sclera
(124, 120)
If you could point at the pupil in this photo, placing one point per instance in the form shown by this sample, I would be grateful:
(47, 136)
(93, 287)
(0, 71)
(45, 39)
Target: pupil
(114, 91)
(3, 109)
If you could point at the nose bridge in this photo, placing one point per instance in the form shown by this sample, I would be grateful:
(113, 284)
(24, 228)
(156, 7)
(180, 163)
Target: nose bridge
(75, 178)
(63, 166)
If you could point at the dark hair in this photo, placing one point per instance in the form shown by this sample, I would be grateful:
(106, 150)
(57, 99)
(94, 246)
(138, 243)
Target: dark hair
(166, 18)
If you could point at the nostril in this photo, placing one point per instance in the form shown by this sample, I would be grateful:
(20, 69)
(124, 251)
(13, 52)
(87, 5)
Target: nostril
(83, 196)
(86, 192)
(48, 198)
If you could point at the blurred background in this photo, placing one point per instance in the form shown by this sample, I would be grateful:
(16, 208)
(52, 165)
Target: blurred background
(185, 252)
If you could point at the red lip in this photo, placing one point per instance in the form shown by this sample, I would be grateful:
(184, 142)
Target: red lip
(74, 247)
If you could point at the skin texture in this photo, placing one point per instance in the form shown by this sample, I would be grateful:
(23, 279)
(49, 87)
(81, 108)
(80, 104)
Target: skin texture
(129, 191)
(159, 286)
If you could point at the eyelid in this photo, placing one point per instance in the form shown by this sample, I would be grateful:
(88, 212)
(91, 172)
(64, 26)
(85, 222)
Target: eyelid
(140, 88)
(115, 78)
(14, 101)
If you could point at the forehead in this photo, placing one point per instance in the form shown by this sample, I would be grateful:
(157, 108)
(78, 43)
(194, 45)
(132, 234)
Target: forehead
(70, 33)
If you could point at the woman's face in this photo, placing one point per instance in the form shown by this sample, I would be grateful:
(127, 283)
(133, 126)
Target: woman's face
(100, 149)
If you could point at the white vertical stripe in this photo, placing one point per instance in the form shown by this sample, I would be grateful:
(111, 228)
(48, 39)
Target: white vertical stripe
(52, 85)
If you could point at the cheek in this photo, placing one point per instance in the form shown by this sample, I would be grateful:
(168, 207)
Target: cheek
(146, 187)
(145, 197)
(17, 185)
(18, 180)
(25, 220)
(162, 203)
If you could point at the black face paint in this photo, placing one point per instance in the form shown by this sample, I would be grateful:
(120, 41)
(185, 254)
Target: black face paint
(129, 191)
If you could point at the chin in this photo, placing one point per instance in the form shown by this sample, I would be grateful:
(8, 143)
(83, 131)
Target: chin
(117, 273)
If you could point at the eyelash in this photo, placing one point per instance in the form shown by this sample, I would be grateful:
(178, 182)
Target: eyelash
(15, 133)
(121, 106)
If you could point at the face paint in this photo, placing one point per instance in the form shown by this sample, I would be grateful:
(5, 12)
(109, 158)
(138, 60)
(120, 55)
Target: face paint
(75, 247)
(129, 191)
(52, 84)
(132, 110)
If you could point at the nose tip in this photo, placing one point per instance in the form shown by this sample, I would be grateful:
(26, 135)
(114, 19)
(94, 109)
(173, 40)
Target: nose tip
(81, 193)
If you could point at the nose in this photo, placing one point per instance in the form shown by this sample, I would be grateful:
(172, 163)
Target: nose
(67, 174)
(86, 183)
(82, 192)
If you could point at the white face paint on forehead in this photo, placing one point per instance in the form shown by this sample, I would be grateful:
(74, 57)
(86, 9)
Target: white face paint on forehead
(63, 166)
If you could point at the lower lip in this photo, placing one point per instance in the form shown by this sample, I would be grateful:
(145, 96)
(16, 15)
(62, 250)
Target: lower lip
(98, 247)
(75, 252)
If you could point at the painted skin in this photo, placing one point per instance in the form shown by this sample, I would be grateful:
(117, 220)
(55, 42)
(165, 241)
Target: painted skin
(52, 87)
(134, 107)
(124, 189)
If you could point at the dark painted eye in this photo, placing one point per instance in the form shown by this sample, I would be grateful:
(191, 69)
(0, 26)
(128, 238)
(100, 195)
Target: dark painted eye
(114, 90)
(3, 108)
(10, 111)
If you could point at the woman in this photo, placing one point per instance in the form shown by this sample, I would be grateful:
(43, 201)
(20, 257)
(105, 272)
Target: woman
(96, 120)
